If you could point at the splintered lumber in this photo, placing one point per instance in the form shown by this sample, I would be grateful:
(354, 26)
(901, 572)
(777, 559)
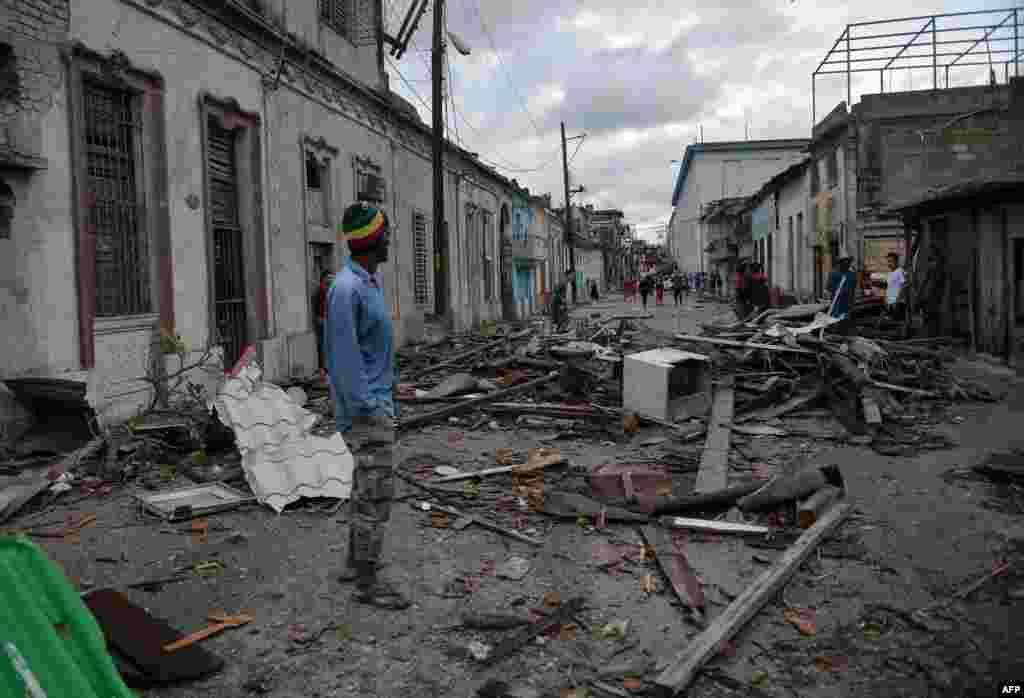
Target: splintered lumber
(742, 345)
(902, 389)
(545, 410)
(523, 636)
(791, 487)
(461, 358)
(708, 644)
(790, 405)
(811, 509)
(706, 526)
(479, 521)
(725, 497)
(849, 369)
(519, 467)
(714, 463)
(676, 568)
(473, 403)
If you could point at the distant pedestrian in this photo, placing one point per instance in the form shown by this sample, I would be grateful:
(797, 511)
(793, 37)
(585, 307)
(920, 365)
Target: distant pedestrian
(759, 295)
(321, 317)
(659, 291)
(646, 286)
(677, 288)
(743, 284)
(593, 291)
(842, 284)
(895, 282)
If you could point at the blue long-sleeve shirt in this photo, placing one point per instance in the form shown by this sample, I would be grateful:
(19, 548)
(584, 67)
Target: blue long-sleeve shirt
(358, 340)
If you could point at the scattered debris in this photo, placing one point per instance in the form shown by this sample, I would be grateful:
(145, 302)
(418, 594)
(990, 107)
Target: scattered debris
(785, 489)
(671, 557)
(472, 519)
(191, 502)
(514, 568)
(684, 668)
(282, 459)
(520, 638)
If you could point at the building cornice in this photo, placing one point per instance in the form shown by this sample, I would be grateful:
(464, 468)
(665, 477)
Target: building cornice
(283, 59)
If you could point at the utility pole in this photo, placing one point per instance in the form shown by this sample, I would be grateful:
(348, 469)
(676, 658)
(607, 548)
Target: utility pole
(569, 235)
(437, 110)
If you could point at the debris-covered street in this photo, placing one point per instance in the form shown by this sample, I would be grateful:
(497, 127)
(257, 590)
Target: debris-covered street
(818, 515)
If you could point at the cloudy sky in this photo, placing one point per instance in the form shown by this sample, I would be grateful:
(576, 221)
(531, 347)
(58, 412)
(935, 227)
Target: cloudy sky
(641, 82)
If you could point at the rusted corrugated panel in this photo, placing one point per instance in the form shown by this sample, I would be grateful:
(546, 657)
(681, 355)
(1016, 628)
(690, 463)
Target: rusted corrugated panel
(281, 459)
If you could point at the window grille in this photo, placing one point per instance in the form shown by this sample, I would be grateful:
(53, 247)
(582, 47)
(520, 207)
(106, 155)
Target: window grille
(112, 131)
(421, 261)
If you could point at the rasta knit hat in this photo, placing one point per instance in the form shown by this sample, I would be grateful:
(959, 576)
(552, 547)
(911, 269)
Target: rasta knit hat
(363, 226)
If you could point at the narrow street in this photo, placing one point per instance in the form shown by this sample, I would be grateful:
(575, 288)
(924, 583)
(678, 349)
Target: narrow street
(917, 535)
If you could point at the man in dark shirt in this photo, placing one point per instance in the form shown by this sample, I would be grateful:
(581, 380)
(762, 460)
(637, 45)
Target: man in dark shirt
(841, 284)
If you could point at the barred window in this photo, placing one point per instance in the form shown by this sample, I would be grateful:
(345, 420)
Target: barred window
(421, 260)
(337, 14)
(356, 20)
(113, 162)
(487, 225)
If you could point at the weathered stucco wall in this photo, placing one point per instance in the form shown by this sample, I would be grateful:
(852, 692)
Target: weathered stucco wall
(37, 275)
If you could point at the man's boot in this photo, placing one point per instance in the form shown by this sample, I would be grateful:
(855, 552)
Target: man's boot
(374, 591)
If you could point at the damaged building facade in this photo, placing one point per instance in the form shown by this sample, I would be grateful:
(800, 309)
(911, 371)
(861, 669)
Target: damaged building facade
(178, 167)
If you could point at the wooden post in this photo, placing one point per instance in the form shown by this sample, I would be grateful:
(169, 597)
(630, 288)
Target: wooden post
(907, 292)
(972, 290)
(1009, 301)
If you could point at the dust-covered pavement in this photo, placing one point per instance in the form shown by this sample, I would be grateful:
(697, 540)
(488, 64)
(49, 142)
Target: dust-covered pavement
(919, 533)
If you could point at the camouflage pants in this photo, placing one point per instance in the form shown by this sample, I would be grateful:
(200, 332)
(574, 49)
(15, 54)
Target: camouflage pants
(372, 442)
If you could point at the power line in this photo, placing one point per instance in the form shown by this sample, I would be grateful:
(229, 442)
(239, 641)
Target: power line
(495, 164)
(508, 76)
(409, 85)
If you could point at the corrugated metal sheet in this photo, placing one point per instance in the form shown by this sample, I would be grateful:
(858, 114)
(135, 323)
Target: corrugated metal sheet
(281, 459)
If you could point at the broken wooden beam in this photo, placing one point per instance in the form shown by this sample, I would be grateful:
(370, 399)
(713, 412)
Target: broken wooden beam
(903, 389)
(788, 488)
(547, 410)
(742, 345)
(461, 358)
(708, 526)
(790, 405)
(473, 403)
(674, 679)
(714, 463)
(812, 508)
(676, 568)
(487, 472)
(724, 497)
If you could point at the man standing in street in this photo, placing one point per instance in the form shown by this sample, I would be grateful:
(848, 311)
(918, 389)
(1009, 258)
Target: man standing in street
(895, 282)
(646, 286)
(677, 288)
(360, 362)
(841, 284)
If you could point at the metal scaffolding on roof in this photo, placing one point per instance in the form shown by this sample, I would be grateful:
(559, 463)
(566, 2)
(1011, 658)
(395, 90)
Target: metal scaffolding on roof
(986, 34)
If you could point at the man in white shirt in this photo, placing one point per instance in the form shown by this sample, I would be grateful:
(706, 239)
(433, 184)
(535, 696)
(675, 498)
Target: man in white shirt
(895, 282)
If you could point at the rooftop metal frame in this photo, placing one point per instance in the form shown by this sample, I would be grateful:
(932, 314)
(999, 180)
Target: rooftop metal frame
(986, 33)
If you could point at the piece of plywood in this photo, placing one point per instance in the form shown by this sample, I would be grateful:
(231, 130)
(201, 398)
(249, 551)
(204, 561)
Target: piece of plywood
(140, 637)
(678, 675)
(714, 463)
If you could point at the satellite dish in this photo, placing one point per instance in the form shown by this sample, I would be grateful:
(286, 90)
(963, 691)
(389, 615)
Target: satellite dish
(458, 43)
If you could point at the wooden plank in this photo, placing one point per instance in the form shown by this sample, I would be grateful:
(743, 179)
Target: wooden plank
(790, 405)
(708, 526)
(742, 345)
(473, 403)
(713, 474)
(522, 467)
(676, 568)
(674, 679)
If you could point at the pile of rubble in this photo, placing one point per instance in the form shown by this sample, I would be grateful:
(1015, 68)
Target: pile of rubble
(603, 382)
